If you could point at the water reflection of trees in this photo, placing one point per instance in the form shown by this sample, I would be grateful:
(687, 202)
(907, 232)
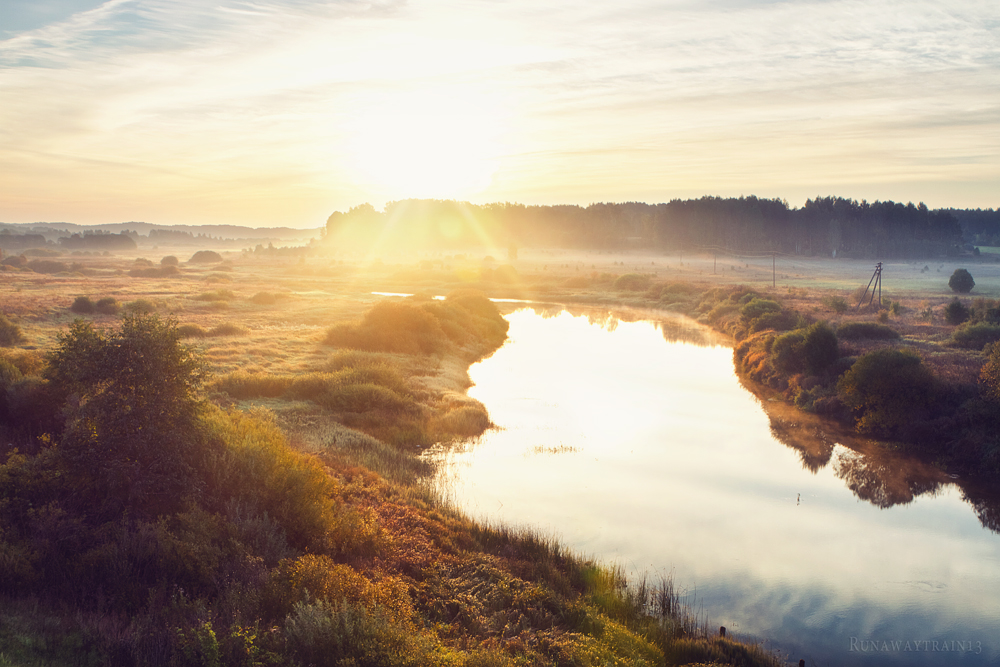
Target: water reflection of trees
(675, 328)
(878, 481)
(875, 475)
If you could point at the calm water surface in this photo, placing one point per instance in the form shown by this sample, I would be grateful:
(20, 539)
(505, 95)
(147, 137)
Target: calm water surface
(632, 444)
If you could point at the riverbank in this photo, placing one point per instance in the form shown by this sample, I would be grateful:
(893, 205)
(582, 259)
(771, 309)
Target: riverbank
(306, 537)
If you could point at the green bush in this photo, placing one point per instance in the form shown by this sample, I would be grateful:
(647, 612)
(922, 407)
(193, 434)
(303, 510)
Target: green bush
(787, 355)
(757, 306)
(47, 266)
(820, 348)
(837, 304)
(10, 332)
(782, 320)
(82, 305)
(205, 257)
(135, 412)
(956, 312)
(140, 307)
(633, 282)
(975, 336)
(267, 298)
(866, 330)
(887, 389)
(228, 329)
(191, 331)
(961, 281)
(810, 350)
(466, 320)
(106, 306)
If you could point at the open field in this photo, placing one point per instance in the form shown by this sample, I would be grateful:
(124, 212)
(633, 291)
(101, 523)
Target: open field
(390, 562)
(265, 329)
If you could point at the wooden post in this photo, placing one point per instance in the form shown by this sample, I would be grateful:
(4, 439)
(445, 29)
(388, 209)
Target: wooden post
(773, 283)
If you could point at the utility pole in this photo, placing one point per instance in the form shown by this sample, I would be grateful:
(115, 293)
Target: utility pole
(877, 279)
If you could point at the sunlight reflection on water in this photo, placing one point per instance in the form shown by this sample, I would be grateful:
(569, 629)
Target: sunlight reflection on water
(632, 444)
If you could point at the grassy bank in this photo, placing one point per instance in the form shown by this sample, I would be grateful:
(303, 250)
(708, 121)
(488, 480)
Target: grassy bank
(929, 395)
(163, 504)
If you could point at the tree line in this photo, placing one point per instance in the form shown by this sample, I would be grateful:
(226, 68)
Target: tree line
(825, 226)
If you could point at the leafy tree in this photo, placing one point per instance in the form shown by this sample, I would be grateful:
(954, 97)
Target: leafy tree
(130, 436)
(887, 389)
(961, 281)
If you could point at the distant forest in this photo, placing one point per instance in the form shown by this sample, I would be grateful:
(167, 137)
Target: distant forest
(830, 226)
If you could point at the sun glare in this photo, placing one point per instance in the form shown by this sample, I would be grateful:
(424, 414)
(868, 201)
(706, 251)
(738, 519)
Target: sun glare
(427, 144)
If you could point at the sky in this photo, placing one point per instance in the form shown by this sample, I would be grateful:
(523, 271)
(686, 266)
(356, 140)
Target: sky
(279, 112)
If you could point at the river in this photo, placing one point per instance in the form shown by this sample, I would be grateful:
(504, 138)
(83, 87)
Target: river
(634, 442)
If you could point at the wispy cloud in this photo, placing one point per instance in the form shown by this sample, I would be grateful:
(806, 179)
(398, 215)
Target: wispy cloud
(190, 108)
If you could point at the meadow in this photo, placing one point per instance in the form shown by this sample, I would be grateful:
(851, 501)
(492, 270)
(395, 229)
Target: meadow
(221, 467)
(304, 532)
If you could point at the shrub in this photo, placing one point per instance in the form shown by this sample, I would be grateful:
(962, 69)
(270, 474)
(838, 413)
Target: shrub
(135, 412)
(956, 312)
(140, 307)
(810, 350)
(323, 633)
(961, 281)
(633, 282)
(10, 332)
(757, 306)
(820, 347)
(887, 389)
(837, 304)
(266, 298)
(392, 327)
(14, 260)
(863, 330)
(975, 336)
(82, 305)
(782, 320)
(205, 257)
(142, 263)
(228, 329)
(191, 331)
(47, 266)
(169, 260)
(106, 306)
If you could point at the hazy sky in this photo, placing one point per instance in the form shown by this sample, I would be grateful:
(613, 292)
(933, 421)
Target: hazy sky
(279, 112)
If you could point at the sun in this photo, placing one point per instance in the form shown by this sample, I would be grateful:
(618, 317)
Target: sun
(431, 143)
